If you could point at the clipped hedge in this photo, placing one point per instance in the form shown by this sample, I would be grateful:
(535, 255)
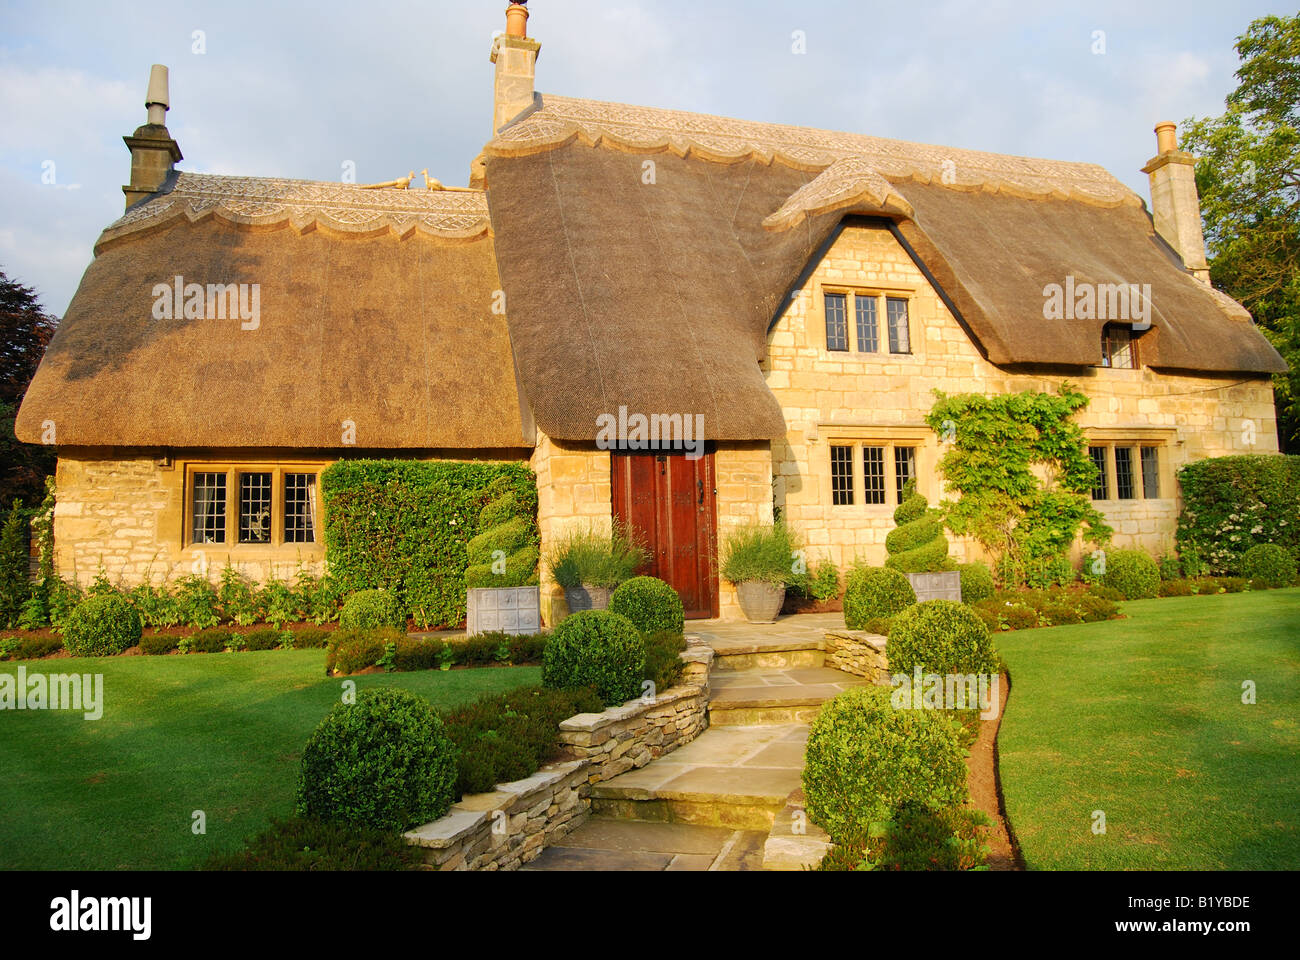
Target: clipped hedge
(865, 758)
(1133, 573)
(940, 636)
(875, 592)
(1269, 565)
(102, 625)
(405, 525)
(596, 649)
(384, 762)
(1230, 504)
(370, 610)
(917, 544)
(650, 603)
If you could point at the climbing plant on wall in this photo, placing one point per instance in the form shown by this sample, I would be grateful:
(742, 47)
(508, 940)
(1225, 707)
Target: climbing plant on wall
(1019, 463)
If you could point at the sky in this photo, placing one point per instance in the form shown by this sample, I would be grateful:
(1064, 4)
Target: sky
(298, 90)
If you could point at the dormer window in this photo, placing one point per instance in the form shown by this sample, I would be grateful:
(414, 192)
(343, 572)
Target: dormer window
(863, 333)
(1119, 347)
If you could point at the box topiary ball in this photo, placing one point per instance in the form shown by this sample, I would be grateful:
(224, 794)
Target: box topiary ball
(1132, 572)
(875, 592)
(940, 636)
(102, 625)
(370, 609)
(865, 757)
(384, 761)
(1269, 565)
(650, 603)
(596, 649)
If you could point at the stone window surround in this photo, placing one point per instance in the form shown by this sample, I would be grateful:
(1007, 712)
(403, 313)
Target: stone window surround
(859, 436)
(879, 292)
(1164, 439)
(232, 469)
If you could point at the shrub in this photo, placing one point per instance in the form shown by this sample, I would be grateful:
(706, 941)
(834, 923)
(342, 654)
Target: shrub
(507, 737)
(265, 639)
(310, 638)
(371, 609)
(917, 838)
(650, 604)
(351, 651)
(280, 603)
(1230, 504)
(197, 600)
(879, 626)
(1018, 616)
(101, 626)
(1095, 609)
(939, 636)
(597, 559)
(8, 646)
(663, 661)
(1059, 614)
(405, 525)
(300, 844)
(597, 649)
(211, 640)
(157, 645)
(990, 612)
(865, 758)
(1049, 571)
(1233, 584)
(34, 648)
(156, 605)
(1107, 593)
(1171, 568)
(1269, 565)
(1175, 588)
(15, 587)
(821, 582)
(917, 544)
(237, 596)
(508, 525)
(384, 762)
(872, 592)
(1131, 572)
(976, 582)
(768, 553)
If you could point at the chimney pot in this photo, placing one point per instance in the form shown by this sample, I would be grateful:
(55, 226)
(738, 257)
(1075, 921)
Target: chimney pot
(154, 153)
(517, 20)
(1166, 137)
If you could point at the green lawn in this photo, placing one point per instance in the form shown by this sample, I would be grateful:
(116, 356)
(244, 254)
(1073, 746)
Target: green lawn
(1142, 718)
(221, 733)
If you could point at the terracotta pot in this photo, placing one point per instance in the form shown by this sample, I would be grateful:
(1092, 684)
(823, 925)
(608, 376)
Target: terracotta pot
(760, 601)
(586, 597)
(516, 20)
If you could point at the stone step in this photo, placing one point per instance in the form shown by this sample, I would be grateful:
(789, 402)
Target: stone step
(605, 844)
(794, 654)
(766, 697)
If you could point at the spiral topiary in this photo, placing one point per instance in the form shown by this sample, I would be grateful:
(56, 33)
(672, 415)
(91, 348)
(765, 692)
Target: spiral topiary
(505, 552)
(917, 545)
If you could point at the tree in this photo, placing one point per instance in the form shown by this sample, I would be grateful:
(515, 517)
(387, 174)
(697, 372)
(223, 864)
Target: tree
(1248, 175)
(25, 331)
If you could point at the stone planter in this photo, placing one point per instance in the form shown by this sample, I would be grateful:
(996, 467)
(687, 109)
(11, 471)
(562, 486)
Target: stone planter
(760, 601)
(513, 610)
(586, 597)
(936, 586)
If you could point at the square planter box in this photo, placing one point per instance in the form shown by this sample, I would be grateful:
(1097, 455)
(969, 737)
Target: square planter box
(936, 586)
(514, 610)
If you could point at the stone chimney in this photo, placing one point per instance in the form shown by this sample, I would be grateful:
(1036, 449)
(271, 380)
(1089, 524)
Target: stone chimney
(1175, 206)
(153, 151)
(515, 56)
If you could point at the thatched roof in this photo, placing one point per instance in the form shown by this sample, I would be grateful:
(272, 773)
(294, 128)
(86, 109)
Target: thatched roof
(375, 308)
(659, 296)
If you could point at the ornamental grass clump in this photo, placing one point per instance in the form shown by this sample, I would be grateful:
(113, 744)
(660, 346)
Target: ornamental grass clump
(594, 558)
(766, 553)
(865, 759)
(384, 762)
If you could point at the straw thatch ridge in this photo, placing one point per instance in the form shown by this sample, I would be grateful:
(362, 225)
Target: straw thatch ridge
(396, 336)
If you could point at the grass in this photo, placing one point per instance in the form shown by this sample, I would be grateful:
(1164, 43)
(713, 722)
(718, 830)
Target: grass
(220, 733)
(1143, 719)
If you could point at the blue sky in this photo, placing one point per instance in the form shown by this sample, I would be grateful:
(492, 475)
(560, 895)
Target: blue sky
(295, 90)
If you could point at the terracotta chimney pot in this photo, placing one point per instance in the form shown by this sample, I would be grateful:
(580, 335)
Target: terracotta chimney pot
(516, 20)
(1166, 137)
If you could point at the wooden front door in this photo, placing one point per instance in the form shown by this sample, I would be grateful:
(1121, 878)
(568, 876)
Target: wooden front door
(668, 501)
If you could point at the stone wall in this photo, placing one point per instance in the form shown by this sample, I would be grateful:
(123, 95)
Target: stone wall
(859, 653)
(508, 827)
(744, 483)
(830, 397)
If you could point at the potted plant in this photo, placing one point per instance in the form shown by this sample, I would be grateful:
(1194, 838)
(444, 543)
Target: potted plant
(760, 560)
(590, 563)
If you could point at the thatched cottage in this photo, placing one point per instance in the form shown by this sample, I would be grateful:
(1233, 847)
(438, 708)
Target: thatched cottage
(795, 294)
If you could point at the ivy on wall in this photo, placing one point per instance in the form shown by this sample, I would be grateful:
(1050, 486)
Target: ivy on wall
(405, 525)
(1020, 465)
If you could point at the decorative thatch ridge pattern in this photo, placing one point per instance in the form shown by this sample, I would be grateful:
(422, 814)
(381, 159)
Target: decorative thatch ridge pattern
(851, 182)
(563, 119)
(268, 201)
